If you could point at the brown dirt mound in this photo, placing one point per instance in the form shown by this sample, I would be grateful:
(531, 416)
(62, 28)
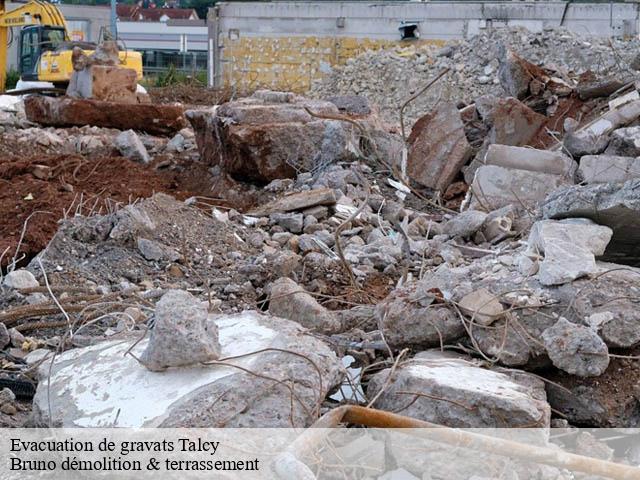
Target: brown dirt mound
(76, 185)
(189, 94)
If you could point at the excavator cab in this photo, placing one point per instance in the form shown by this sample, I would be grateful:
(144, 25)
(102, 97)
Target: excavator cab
(34, 41)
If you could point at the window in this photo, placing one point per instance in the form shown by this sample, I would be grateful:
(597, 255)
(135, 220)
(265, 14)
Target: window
(159, 60)
(409, 31)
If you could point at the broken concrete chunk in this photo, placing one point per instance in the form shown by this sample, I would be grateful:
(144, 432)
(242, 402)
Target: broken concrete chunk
(594, 137)
(297, 201)
(608, 168)
(20, 278)
(100, 386)
(512, 122)
(155, 251)
(351, 104)
(411, 315)
(585, 142)
(181, 334)
(292, 222)
(516, 74)
(454, 392)
(67, 112)
(624, 142)
(543, 161)
(576, 349)
(5, 338)
(289, 300)
(498, 224)
(107, 83)
(260, 139)
(130, 146)
(482, 306)
(465, 224)
(438, 148)
(494, 187)
(569, 248)
(612, 204)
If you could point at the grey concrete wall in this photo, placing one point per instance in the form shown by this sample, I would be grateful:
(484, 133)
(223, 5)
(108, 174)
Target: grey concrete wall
(437, 20)
(85, 16)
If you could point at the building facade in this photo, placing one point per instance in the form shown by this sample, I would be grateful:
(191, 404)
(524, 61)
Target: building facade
(178, 43)
(286, 45)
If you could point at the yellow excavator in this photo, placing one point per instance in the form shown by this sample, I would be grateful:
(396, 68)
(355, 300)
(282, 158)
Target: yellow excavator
(45, 47)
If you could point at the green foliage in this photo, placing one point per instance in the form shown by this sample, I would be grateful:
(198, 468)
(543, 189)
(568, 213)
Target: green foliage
(173, 76)
(12, 78)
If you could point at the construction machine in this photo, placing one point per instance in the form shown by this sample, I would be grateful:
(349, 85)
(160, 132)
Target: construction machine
(45, 46)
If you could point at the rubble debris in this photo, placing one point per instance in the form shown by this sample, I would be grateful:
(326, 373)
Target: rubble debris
(412, 315)
(98, 386)
(386, 76)
(576, 349)
(289, 300)
(512, 122)
(129, 145)
(516, 74)
(607, 401)
(7, 399)
(444, 389)
(465, 224)
(624, 142)
(101, 77)
(181, 334)
(273, 135)
(155, 251)
(593, 138)
(5, 338)
(438, 148)
(297, 201)
(569, 247)
(601, 87)
(482, 306)
(104, 83)
(579, 143)
(319, 213)
(67, 112)
(614, 205)
(19, 279)
(530, 159)
(494, 187)
(608, 169)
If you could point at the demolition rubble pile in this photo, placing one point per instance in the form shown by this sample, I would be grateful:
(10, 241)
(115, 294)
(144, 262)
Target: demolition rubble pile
(514, 306)
(388, 77)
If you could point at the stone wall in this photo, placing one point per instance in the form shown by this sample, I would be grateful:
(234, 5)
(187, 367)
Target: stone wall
(285, 45)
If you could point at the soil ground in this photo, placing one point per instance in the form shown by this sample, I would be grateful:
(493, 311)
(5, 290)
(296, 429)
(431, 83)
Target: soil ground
(78, 185)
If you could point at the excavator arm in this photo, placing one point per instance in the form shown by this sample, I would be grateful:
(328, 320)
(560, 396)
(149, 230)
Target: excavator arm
(35, 12)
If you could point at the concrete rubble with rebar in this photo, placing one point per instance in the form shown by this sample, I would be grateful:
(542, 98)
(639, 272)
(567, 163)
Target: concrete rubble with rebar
(480, 269)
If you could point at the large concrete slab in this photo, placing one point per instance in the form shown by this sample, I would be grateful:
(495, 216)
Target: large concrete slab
(616, 205)
(608, 168)
(101, 386)
(449, 390)
(494, 187)
(69, 112)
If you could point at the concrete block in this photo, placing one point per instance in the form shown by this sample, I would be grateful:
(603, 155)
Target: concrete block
(608, 168)
(521, 158)
(494, 187)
